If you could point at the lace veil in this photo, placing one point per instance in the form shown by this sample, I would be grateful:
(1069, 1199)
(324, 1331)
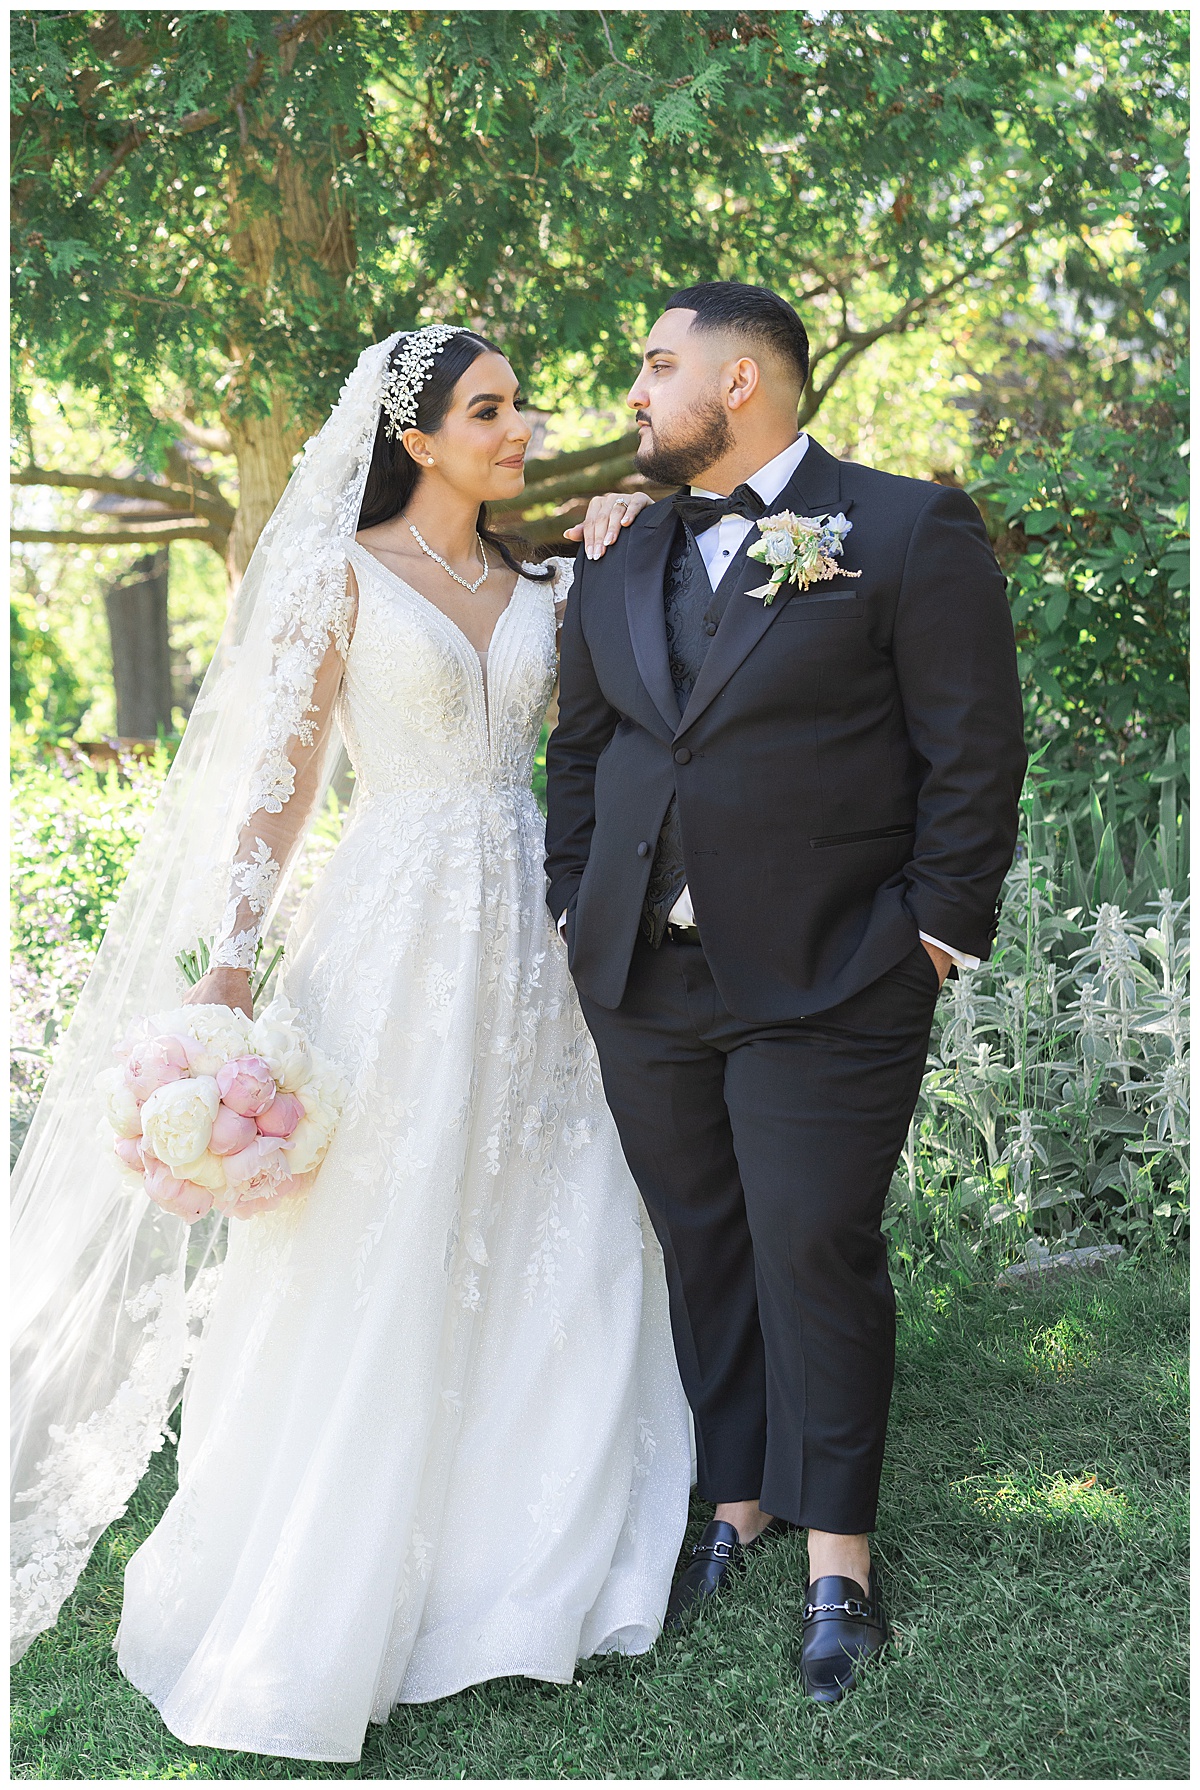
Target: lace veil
(108, 1290)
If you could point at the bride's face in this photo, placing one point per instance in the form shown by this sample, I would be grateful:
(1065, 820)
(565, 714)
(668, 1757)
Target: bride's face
(480, 448)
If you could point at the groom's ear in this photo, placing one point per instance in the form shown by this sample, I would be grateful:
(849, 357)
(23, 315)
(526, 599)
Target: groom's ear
(741, 378)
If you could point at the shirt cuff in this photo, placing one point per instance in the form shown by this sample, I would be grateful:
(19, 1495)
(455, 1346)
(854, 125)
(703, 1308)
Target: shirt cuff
(963, 959)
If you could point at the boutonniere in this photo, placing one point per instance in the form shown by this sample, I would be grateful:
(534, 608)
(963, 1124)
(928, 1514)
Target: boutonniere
(801, 550)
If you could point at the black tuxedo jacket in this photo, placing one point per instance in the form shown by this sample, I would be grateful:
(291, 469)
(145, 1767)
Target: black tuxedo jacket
(847, 767)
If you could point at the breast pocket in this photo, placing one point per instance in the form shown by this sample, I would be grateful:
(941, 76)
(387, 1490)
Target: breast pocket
(831, 605)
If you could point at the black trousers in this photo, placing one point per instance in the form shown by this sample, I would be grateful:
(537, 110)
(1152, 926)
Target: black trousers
(764, 1154)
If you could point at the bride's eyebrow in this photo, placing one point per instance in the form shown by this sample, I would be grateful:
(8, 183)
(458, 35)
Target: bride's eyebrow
(486, 398)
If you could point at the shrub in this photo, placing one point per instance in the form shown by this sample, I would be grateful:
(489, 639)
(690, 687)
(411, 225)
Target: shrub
(74, 828)
(1054, 1108)
(1091, 527)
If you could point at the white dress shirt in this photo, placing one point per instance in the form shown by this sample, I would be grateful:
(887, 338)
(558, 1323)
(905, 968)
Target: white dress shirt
(718, 545)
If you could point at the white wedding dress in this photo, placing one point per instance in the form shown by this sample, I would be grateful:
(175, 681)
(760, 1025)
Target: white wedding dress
(435, 1432)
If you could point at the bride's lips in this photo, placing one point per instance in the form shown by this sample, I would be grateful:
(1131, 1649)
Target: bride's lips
(517, 463)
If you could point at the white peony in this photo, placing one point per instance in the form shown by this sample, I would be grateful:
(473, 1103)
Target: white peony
(321, 1096)
(140, 1032)
(324, 1093)
(120, 1107)
(276, 1036)
(207, 1171)
(177, 1120)
(211, 1034)
(307, 1145)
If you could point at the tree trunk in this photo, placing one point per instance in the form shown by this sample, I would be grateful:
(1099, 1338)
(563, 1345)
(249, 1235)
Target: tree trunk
(264, 446)
(272, 244)
(141, 655)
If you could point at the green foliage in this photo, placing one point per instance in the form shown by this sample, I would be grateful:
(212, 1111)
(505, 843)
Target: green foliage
(75, 827)
(1095, 543)
(551, 175)
(1033, 1542)
(1055, 1104)
(73, 831)
(1054, 1110)
(46, 698)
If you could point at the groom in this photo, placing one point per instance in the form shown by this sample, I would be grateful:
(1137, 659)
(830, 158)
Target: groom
(773, 828)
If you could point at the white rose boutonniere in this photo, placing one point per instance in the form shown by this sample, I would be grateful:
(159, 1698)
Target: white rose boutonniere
(800, 550)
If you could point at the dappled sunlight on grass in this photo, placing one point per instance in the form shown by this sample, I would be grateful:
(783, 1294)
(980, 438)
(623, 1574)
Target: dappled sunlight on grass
(1061, 1348)
(1032, 1542)
(1046, 1499)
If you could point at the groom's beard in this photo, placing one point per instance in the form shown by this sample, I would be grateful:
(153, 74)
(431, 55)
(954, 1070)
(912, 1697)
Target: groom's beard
(699, 439)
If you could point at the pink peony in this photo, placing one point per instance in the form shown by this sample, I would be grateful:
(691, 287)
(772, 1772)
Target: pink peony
(281, 1117)
(247, 1085)
(183, 1198)
(152, 1064)
(139, 1033)
(128, 1151)
(236, 1202)
(260, 1163)
(231, 1131)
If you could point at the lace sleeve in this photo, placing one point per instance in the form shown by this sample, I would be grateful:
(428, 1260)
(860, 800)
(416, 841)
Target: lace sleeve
(285, 786)
(564, 577)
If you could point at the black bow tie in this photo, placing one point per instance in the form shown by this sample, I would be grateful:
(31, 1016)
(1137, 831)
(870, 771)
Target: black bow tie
(700, 513)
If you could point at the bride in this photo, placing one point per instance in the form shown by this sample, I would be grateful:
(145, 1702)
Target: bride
(433, 1433)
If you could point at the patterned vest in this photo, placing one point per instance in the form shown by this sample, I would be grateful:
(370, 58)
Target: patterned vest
(693, 610)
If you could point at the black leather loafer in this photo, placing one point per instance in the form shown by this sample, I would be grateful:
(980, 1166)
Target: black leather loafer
(841, 1629)
(716, 1556)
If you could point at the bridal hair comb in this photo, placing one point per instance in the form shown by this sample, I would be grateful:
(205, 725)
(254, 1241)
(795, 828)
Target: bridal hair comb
(408, 373)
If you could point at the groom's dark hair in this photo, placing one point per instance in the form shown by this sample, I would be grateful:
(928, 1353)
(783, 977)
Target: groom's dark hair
(753, 311)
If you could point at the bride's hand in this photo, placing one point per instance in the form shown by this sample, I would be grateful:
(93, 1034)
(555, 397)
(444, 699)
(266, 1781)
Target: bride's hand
(223, 988)
(606, 516)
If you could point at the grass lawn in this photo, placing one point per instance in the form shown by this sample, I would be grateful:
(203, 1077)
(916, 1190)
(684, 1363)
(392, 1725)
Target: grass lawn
(1033, 1546)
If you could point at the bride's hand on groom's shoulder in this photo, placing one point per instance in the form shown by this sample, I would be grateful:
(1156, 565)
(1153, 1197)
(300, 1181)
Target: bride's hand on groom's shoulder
(222, 987)
(606, 516)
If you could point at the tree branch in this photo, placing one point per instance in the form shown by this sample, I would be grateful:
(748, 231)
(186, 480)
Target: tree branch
(302, 26)
(213, 509)
(216, 441)
(579, 484)
(538, 472)
(191, 121)
(134, 140)
(856, 342)
(146, 298)
(155, 533)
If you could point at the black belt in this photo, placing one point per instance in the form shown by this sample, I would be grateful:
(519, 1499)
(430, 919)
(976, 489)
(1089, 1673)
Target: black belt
(682, 935)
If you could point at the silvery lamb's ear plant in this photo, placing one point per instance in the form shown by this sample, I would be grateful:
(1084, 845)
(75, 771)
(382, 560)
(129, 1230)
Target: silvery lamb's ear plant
(1054, 1108)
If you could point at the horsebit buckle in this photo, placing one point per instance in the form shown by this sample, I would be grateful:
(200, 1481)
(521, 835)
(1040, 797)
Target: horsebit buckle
(853, 1606)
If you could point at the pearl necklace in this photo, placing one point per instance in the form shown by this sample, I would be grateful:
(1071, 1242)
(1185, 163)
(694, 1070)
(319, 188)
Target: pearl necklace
(423, 544)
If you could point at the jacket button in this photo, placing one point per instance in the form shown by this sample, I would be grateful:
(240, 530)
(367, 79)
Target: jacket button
(683, 756)
(710, 627)
(643, 850)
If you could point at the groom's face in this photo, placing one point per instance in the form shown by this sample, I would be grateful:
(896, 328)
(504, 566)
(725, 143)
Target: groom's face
(677, 397)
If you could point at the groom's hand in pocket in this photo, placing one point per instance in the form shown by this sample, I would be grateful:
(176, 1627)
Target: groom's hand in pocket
(942, 960)
(606, 516)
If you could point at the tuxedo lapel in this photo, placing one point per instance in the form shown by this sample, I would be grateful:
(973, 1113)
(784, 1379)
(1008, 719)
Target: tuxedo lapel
(646, 558)
(813, 490)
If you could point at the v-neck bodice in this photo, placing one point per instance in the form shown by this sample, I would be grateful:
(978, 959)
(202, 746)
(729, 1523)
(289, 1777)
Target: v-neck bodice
(422, 708)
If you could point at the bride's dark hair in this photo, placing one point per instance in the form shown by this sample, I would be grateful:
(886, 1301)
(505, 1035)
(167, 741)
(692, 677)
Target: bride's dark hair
(393, 474)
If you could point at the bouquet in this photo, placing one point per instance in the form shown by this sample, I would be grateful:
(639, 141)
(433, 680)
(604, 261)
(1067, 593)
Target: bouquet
(211, 1109)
